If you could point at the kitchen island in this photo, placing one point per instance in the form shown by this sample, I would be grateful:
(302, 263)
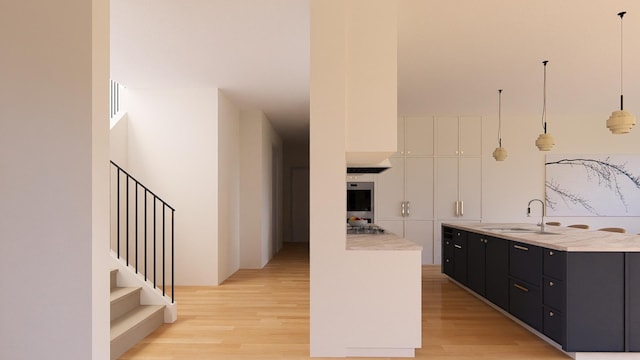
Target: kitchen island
(384, 300)
(577, 289)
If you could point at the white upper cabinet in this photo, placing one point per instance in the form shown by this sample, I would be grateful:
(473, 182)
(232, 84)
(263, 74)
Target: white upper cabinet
(459, 135)
(470, 136)
(418, 140)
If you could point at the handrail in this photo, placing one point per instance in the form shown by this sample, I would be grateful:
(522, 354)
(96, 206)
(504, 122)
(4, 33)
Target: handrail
(129, 206)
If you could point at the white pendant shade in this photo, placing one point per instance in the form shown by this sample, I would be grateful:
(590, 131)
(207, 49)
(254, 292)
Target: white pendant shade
(545, 142)
(499, 154)
(621, 122)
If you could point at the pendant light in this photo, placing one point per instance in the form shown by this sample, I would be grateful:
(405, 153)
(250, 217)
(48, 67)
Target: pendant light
(545, 141)
(500, 153)
(621, 121)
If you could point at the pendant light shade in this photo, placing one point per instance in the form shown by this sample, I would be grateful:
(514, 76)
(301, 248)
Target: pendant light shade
(500, 153)
(621, 121)
(545, 141)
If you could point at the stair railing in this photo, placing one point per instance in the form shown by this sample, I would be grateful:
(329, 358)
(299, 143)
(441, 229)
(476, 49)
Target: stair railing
(146, 226)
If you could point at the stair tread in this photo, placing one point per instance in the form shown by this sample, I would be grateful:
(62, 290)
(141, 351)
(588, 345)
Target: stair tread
(118, 293)
(131, 319)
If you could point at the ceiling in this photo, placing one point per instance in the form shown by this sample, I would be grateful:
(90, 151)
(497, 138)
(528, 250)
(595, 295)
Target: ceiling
(453, 56)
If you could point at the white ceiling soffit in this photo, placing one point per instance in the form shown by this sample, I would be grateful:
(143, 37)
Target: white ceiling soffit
(452, 55)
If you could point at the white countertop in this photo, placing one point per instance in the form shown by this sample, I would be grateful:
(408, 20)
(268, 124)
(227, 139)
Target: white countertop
(563, 238)
(386, 241)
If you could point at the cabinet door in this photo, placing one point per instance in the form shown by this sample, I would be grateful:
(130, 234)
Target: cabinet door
(419, 188)
(447, 254)
(470, 188)
(476, 263)
(497, 271)
(460, 256)
(418, 139)
(525, 303)
(392, 226)
(633, 285)
(525, 262)
(470, 136)
(421, 233)
(389, 192)
(447, 139)
(447, 187)
(401, 144)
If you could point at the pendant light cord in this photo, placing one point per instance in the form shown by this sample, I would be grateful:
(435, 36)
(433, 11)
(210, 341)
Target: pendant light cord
(500, 118)
(544, 98)
(621, 14)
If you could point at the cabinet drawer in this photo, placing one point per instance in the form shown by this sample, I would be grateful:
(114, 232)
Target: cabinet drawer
(553, 293)
(447, 248)
(525, 303)
(459, 234)
(553, 325)
(525, 262)
(447, 266)
(555, 263)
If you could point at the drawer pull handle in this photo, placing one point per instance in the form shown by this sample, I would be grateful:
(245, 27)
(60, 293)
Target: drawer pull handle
(550, 253)
(521, 247)
(458, 246)
(521, 288)
(551, 283)
(551, 314)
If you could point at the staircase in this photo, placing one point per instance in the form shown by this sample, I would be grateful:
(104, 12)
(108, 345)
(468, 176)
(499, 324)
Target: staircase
(130, 321)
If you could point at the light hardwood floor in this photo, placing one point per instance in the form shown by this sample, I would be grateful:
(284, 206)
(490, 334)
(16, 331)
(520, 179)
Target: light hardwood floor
(264, 314)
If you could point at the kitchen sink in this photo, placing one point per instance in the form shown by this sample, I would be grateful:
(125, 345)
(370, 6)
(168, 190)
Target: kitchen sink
(515, 229)
(521, 230)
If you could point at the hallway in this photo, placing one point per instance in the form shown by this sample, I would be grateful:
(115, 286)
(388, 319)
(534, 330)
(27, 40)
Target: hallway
(264, 314)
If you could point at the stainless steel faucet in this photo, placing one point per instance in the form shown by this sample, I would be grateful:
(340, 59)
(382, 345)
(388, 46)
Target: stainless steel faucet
(544, 212)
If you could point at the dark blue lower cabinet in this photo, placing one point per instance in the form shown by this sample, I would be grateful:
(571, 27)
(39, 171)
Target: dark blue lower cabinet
(584, 301)
(525, 303)
(633, 316)
(553, 325)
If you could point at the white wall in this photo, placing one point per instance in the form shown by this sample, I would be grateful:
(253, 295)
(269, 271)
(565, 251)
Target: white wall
(173, 149)
(119, 142)
(54, 208)
(508, 186)
(228, 188)
(356, 297)
(258, 140)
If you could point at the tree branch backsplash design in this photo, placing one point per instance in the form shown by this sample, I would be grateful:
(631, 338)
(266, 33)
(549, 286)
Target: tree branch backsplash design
(593, 185)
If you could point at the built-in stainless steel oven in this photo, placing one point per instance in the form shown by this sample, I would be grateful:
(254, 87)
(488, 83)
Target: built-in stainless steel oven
(360, 200)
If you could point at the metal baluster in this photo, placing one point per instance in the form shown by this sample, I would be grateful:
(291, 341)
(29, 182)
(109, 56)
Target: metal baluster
(145, 234)
(136, 227)
(173, 280)
(155, 260)
(163, 257)
(118, 213)
(127, 222)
